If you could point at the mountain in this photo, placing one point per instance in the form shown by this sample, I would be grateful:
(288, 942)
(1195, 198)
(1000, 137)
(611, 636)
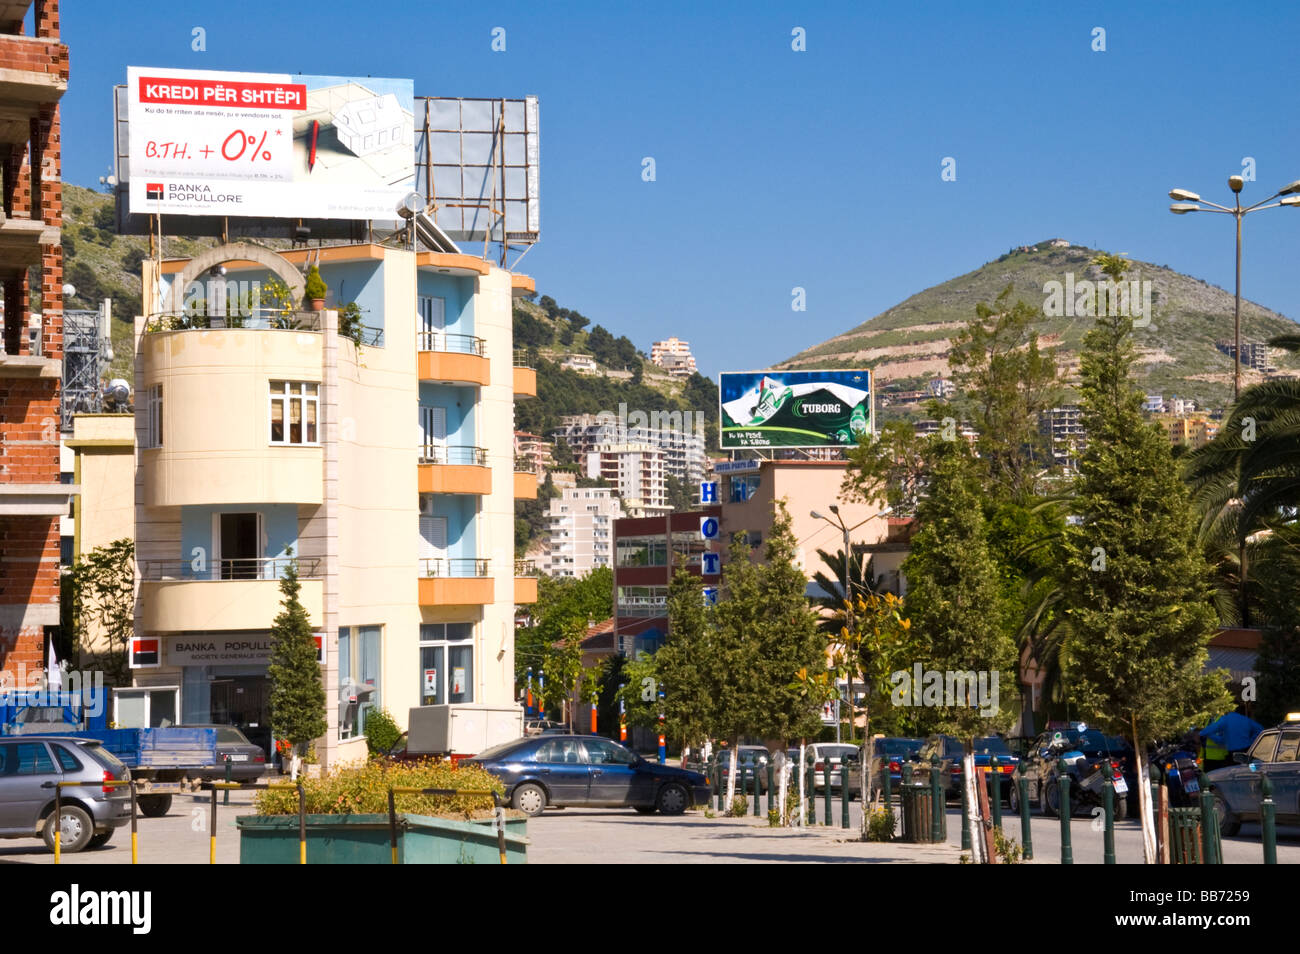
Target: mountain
(909, 344)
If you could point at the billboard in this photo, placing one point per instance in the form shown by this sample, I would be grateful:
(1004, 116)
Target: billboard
(794, 408)
(268, 144)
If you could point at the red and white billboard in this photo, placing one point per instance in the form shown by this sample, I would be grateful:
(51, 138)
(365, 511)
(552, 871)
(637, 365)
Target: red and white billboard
(268, 144)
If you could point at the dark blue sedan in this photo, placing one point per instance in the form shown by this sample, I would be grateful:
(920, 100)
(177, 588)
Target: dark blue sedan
(591, 772)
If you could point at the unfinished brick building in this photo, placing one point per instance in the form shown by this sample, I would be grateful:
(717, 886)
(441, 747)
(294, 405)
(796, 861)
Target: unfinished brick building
(33, 76)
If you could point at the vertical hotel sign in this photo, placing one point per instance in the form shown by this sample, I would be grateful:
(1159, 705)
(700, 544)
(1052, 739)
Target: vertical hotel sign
(268, 144)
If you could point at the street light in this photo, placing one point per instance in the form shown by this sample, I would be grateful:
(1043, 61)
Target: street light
(846, 530)
(1185, 201)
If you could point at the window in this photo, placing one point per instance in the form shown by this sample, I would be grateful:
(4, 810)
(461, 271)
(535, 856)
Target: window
(145, 708)
(642, 551)
(1262, 750)
(603, 752)
(743, 488)
(369, 667)
(446, 663)
(1286, 751)
(294, 412)
(348, 730)
(25, 758)
(432, 321)
(153, 420)
(561, 752)
(67, 761)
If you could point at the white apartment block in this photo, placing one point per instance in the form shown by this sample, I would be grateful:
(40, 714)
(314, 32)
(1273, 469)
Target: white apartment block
(674, 356)
(683, 447)
(581, 531)
(638, 472)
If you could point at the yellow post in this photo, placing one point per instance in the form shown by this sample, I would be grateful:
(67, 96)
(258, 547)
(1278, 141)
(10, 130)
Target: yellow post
(58, 812)
(212, 830)
(135, 841)
(302, 825)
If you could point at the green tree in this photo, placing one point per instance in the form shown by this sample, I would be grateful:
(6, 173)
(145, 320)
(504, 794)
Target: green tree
(1008, 382)
(562, 603)
(297, 694)
(889, 465)
(102, 591)
(1135, 586)
(1273, 585)
(954, 599)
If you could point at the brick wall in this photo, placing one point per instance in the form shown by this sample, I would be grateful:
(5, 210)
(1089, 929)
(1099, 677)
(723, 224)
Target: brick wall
(29, 577)
(34, 55)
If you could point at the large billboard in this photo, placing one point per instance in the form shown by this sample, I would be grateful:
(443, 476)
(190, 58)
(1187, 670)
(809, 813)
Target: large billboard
(794, 408)
(268, 144)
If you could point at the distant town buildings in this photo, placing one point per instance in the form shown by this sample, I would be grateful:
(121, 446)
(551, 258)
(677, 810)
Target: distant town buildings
(532, 453)
(941, 388)
(637, 471)
(683, 446)
(582, 363)
(580, 531)
(1193, 431)
(674, 356)
(930, 427)
(1256, 355)
(1063, 428)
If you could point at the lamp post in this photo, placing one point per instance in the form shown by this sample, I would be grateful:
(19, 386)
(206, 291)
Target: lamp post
(844, 581)
(1185, 202)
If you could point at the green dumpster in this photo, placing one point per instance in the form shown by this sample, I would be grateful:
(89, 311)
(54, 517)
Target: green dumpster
(365, 840)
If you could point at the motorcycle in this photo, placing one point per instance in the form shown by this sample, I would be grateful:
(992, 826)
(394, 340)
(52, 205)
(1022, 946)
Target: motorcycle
(1180, 773)
(1087, 780)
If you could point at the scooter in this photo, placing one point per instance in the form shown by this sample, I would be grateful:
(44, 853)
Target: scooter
(1181, 776)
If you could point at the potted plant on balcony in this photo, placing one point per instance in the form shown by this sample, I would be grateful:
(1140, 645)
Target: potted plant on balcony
(315, 290)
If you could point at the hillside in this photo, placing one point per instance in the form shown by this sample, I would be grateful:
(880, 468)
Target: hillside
(909, 343)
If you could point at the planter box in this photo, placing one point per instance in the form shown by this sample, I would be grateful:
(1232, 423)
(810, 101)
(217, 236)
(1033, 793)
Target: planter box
(364, 840)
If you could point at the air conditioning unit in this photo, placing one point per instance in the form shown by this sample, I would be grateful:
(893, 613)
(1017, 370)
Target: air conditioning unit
(426, 505)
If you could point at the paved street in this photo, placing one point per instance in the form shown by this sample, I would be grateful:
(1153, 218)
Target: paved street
(580, 836)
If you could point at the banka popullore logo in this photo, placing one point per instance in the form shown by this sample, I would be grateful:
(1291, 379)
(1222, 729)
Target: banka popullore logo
(154, 191)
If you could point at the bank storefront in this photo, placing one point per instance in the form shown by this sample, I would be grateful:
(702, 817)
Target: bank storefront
(223, 680)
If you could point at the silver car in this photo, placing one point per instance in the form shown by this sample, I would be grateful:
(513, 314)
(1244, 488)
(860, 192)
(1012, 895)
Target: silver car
(31, 766)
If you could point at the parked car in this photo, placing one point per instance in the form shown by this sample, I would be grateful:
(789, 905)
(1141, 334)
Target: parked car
(538, 726)
(836, 754)
(752, 758)
(89, 814)
(247, 761)
(588, 771)
(952, 752)
(1236, 788)
(891, 752)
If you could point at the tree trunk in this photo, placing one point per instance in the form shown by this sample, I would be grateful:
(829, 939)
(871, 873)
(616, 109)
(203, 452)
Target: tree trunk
(978, 850)
(803, 776)
(731, 772)
(1144, 799)
(782, 788)
(865, 770)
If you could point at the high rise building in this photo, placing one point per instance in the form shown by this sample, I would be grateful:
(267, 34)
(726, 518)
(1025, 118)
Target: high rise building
(580, 530)
(272, 437)
(33, 77)
(674, 356)
(637, 471)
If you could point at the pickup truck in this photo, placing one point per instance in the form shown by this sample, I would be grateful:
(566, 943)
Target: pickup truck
(163, 761)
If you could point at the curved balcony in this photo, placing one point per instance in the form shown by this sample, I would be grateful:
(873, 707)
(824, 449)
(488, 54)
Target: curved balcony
(455, 582)
(229, 595)
(525, 479)
(525, 374)
(454, 470)
(216, 445)
(452, 359)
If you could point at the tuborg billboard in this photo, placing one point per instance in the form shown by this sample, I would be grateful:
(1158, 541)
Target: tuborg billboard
(268, 144)
(794, 408)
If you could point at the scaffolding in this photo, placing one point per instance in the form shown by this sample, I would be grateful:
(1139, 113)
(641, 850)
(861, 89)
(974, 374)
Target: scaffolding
(86, 353)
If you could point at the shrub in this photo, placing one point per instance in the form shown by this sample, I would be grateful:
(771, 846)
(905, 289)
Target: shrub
(739, 807)
(362, 789)
(880, 825)
(350, 325)
(315, 287)
(382, 732)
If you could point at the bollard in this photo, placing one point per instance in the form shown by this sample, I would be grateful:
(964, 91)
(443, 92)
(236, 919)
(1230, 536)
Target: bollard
(844, 795)
(1268, 821)
(212, 829)
(826, 795)
(1108, 794)
(392, 825)
(135, 840)
(771, 786)
(996, 779)
(936, 800)
(1026, 836)
(812, 790)
(225, 796)
(965, 819)
(1209, 825)
(302, 824)
(754, 773)
(58, 828)
(1063, 800)
(886, 782)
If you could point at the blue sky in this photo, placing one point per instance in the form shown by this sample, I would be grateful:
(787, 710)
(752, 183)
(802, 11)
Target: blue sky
(816, 169)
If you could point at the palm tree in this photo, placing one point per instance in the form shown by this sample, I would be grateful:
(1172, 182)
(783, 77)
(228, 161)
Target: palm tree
(862, 578)
(1246, 482)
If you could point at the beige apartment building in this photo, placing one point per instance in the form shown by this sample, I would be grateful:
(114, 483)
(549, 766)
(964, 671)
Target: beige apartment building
(381, 461)
(581, 531)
